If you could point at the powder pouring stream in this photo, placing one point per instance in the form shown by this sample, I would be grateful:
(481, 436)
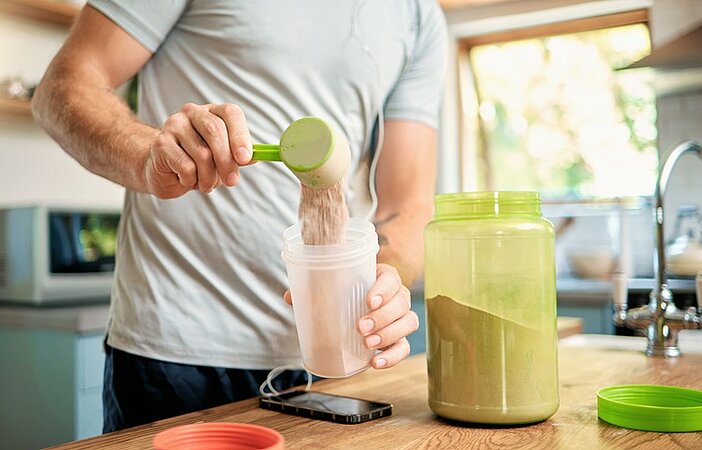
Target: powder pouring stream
(330, 259)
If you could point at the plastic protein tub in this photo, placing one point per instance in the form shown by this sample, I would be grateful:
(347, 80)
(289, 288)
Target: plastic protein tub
(651, 407)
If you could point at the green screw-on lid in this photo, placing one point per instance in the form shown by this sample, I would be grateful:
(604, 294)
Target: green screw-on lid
(488, 203)
(651, 407)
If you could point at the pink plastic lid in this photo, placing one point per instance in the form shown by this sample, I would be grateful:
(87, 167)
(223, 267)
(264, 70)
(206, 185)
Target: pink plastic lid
(219, 436)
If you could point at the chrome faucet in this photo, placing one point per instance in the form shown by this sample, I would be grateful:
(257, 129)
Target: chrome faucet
(660, 320)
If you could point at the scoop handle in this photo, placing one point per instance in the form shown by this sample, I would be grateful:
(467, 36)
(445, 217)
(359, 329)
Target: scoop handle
(266, 152)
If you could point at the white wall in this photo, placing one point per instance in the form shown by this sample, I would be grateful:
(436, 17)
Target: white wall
(33, 169)
(679, 111)
(671, 18)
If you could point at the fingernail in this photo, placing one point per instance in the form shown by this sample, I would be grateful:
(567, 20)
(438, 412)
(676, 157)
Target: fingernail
(243, 155)
(376, 300)
(366, 325)
(381, 362)
(372, 341)
(231, 180)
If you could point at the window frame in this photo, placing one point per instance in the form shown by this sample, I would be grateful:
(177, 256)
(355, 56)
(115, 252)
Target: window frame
(475, 170)
(456, 171)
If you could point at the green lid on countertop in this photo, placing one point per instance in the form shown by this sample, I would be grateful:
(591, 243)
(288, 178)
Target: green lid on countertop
(651, 407)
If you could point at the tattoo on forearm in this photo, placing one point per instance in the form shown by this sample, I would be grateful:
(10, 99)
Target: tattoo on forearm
(390, 218)
(382, 239)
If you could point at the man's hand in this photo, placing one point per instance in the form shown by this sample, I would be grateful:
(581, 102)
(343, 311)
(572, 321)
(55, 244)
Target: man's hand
(390, 321)
(199, 147)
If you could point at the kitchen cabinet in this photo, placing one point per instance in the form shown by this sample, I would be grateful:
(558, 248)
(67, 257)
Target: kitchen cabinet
(51, 374)
(588, 299)
(596, 317)
(412, 425)
(591, 299)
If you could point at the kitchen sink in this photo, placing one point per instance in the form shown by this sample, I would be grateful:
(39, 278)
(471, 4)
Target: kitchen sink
(690, 341)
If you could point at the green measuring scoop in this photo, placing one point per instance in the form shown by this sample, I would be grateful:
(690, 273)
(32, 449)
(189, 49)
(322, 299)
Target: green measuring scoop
(317, 154)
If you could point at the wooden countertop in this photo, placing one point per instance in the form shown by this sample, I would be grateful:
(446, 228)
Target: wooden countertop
(569, 326)
(412, 426)
(88, 318)
(93, 318)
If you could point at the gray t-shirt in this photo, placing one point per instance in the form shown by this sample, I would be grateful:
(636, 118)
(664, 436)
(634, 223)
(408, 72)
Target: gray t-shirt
(200, 278)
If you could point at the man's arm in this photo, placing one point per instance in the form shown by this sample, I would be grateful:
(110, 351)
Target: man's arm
(198, 147)
(76, 103)
(405, 186)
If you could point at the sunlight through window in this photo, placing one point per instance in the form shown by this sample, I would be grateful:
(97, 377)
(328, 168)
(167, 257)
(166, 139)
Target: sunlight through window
(557, 117)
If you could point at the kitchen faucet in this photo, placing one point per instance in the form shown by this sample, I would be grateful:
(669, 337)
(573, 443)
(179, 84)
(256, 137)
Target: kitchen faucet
(660, 320)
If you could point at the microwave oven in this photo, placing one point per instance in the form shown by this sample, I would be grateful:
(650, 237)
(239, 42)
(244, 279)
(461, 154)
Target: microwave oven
(51, 255)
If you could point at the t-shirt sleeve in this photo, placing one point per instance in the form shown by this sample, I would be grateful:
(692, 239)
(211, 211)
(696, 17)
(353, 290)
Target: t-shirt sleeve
(149, 22)
(417, 94)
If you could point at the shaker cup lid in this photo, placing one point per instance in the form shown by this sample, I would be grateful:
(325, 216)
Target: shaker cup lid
(219, 435)
(651, 407)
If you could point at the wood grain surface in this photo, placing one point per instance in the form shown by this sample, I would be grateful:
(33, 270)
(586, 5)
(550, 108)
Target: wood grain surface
(569, 326)
(413, 426)
(59, 12)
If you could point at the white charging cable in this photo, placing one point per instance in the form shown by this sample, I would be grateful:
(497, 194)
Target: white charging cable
(373, 168)
(273, 374)
(358, 34)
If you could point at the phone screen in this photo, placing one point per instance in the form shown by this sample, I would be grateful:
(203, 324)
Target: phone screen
(319, 405)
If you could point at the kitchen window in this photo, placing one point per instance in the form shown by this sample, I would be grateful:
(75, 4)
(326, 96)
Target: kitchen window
(546, 109)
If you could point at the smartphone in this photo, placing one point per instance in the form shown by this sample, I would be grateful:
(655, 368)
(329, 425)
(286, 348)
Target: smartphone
(318, 405)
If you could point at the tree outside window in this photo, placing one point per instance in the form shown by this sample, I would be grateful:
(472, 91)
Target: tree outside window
(557, 117)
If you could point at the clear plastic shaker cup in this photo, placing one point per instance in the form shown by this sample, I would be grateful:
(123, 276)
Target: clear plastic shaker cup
(329, 284)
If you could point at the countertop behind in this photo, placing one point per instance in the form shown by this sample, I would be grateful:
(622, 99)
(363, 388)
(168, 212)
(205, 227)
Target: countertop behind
(78, 318)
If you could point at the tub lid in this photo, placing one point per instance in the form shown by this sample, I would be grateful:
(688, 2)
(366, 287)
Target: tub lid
(651, 407)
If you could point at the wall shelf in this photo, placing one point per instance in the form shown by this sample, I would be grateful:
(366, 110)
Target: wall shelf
(12, 106)
(45, 10)
(457, 4)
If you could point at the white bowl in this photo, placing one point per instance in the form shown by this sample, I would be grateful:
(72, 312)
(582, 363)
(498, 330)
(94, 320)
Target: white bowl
(687, 263)
(591, 263)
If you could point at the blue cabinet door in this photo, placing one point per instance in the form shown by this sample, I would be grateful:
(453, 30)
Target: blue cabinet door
(50, 387)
